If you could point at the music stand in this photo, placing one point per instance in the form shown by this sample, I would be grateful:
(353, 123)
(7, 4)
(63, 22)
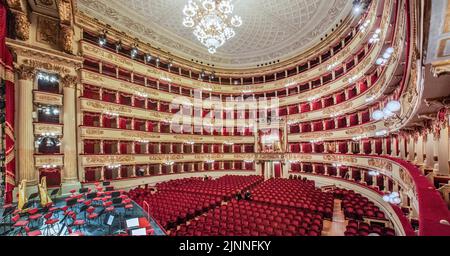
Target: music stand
(117, 201)
(83, 190)
(106, 183)
(54, 193)
(91, 195)
(109, 221)
(109, 188)
(115, 194)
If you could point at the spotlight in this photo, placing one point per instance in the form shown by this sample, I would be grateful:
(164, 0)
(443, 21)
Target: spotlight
(55, 111)
(134, 52)
(148, 57)
(102, 39)
(158, 60)
(212, 76)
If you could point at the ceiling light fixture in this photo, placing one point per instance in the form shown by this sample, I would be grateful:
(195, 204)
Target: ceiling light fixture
(212, 21)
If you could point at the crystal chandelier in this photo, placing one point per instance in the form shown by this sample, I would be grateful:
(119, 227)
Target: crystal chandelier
(212, 21)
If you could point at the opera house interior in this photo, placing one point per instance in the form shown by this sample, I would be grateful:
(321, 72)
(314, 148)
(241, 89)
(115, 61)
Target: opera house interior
(239, 118)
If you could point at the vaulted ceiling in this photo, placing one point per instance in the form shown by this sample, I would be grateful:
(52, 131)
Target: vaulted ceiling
(272, 30)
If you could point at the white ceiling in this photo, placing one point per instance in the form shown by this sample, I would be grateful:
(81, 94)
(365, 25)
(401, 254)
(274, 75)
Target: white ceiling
(272, 29)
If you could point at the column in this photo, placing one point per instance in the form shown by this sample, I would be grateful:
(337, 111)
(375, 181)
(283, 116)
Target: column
(134, 171)
(69, 143)
(363, 176)
(386, 184)
(374, 181)
(350, 173)
(429, 151)
(419, 150)
(384, 146)
(25, 136)
(410, 147)
(373, 149)
(402, 147)
(443, 151)
(102, 174)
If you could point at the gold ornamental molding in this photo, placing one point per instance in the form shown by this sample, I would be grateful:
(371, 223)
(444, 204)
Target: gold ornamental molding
(124, 135)
(40, 129)
(102, 160)
(48, 98)
(42, 160)
(340, 159)
(440, 68)
(44, 58)
(97, 106)
(380, 164)
(361, 130)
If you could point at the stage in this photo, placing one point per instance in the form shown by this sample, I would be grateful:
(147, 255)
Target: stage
(82, 214)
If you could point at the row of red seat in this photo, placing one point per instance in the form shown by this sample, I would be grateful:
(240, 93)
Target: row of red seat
(301, 194)
(171, 208)
(226, 186)
(357, 228)
(244, 218)
(357, 206)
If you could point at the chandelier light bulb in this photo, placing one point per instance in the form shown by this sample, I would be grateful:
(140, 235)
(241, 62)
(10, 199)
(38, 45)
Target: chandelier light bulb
(236, 21)
(209, 5)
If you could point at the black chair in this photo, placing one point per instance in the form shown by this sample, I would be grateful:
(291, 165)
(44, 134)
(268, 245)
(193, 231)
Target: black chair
(6, 219)
(54, 193)
(32, 198)
(28, 205)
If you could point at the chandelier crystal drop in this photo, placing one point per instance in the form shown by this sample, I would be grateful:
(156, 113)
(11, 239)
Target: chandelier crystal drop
(212, 21)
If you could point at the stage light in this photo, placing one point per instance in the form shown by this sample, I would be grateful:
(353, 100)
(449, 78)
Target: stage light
(55, 111)
(148, 57)
(102, 40)
(134, 52)
(158, 60)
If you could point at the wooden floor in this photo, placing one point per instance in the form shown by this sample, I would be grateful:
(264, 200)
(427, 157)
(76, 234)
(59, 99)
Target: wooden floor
(338, 225)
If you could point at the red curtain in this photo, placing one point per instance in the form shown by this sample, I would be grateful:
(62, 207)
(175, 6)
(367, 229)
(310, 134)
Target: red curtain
(317, 105)
(318, 126)
(295, 148)
(89, 174)
(305, 107)
(340, 97)
(7, 81)
(362, 87)
(53, 176)
(91, 92)
(277, 170)
(294, 128)
(293, 110)
(139, 102)
(329, 124)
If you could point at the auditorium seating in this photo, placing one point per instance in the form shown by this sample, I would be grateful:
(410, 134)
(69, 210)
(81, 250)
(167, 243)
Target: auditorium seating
(298, 194)
(357, 206)
(358, 228)
(244, 218)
